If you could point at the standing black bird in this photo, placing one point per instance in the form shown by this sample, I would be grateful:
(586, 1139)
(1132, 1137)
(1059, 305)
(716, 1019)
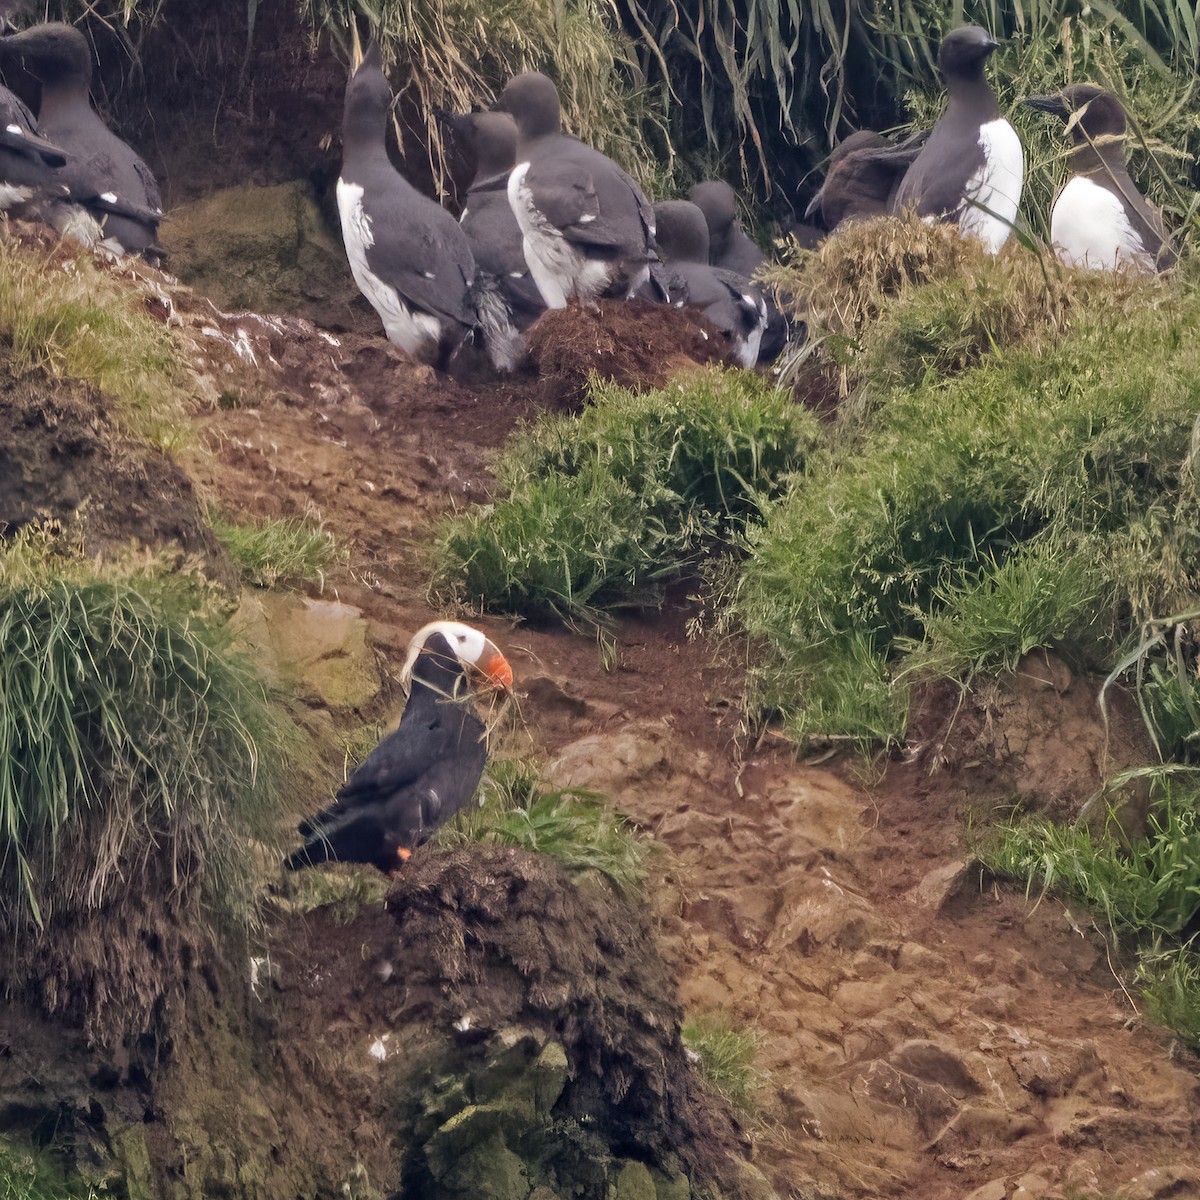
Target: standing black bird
(408, 255)
(27, 160)
(1100, 219)
(421, 775)
(588, 229)
(728, 300)
(506, 295)
(971, 169)
(729, 245)
(113, 196)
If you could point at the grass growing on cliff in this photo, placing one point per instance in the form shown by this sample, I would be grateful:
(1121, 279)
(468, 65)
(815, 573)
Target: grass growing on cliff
(132, 744)
(1014, 467)
(725, 1055)
(68, 317)
(272, 552)
(30, 1174)
(601, 510)
(576, 829)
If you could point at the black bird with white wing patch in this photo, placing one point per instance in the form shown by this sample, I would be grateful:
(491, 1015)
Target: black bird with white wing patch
(588, 230)
(417, 778)
(409, 256)
(111, 196)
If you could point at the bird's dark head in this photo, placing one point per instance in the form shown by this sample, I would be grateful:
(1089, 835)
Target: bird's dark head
(368, 95)
(718, 202)
(491, 139)
(532, 100)
(53, 53)
(681, 231)
(964, 52)
(449, 650)
(1090, 112)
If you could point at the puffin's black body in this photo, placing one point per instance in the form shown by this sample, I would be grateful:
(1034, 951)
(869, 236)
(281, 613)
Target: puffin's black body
(503, 277)
(409, 257)
(971, 168)
(862, 179)
(727, 299)
(413, 781)
(1100, 219)
(587, 228)
(103, 176)
(729, 245)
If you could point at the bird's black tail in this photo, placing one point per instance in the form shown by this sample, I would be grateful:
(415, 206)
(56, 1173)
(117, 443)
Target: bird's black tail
(314, 852)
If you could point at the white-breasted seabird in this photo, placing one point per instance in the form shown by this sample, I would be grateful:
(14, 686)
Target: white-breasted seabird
(727, 299)
(1100, 219)
(506, 295)
(423, 773)
(588, 230)
(972, 167)
(111, 195)
(409, 256)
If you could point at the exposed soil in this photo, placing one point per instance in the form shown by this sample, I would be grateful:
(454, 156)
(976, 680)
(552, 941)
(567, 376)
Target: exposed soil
(922, 1031)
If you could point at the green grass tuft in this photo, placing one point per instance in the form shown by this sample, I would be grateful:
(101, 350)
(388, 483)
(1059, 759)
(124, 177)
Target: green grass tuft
(270, 553)
(601, 510)
(725, 1056)
(129, 736)
(1170, 983)
(30, 1174)
(73, 319)
(582, 834)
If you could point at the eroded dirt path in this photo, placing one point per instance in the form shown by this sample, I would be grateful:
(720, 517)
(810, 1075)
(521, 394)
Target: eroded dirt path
(922, 1035)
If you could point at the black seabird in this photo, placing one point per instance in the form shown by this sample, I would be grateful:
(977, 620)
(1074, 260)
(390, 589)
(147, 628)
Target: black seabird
(729, 245)
(587, 228)
(728, 300)
(27, 160)
(1100, 220)
(421, 775)
(507, 298)
(971, 169)
(112, 195)
(862, 178)
(409, 256)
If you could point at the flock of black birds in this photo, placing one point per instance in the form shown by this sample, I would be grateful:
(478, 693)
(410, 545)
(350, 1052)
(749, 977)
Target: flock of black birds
(549, 220)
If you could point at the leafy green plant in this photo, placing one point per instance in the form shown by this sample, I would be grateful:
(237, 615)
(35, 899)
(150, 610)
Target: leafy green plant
(272, 552)
(600, 510)
(29, 1174)
(725, 1055)
(576, 829)
(1170, 983)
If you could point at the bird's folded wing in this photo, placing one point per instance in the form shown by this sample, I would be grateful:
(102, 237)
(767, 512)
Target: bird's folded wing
(25, 142)
(566, 195)
(429, 267)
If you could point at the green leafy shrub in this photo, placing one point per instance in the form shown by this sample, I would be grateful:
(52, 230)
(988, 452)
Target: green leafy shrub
(599, 510)
(1170, 983)
(274, 552)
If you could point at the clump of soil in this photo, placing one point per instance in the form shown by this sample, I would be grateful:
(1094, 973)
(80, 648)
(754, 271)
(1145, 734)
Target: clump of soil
(63, 457)
(631, 342)
(498, 938)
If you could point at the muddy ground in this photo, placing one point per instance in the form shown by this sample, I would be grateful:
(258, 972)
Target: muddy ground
(922, 1030)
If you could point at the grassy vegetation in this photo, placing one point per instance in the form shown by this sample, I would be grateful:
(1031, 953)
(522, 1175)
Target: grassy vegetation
(70, 318)
(272, 552)
(132, 745)
(29, 1174)
(1001, 477)
(582, 834)
(600, 510)
(725, 1055)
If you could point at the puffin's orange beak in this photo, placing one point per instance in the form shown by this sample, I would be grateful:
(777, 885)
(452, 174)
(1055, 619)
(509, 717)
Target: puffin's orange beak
(495, 666)
(403, 853)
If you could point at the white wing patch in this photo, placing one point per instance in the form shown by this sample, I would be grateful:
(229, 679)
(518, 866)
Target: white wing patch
(558, 269)
(1090, 228)
(412, 331)
(11, 194)
(995, 187)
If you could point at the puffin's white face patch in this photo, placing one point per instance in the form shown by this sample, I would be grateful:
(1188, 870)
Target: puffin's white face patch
(1090, 228)
(410, 330)
(996, 186)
